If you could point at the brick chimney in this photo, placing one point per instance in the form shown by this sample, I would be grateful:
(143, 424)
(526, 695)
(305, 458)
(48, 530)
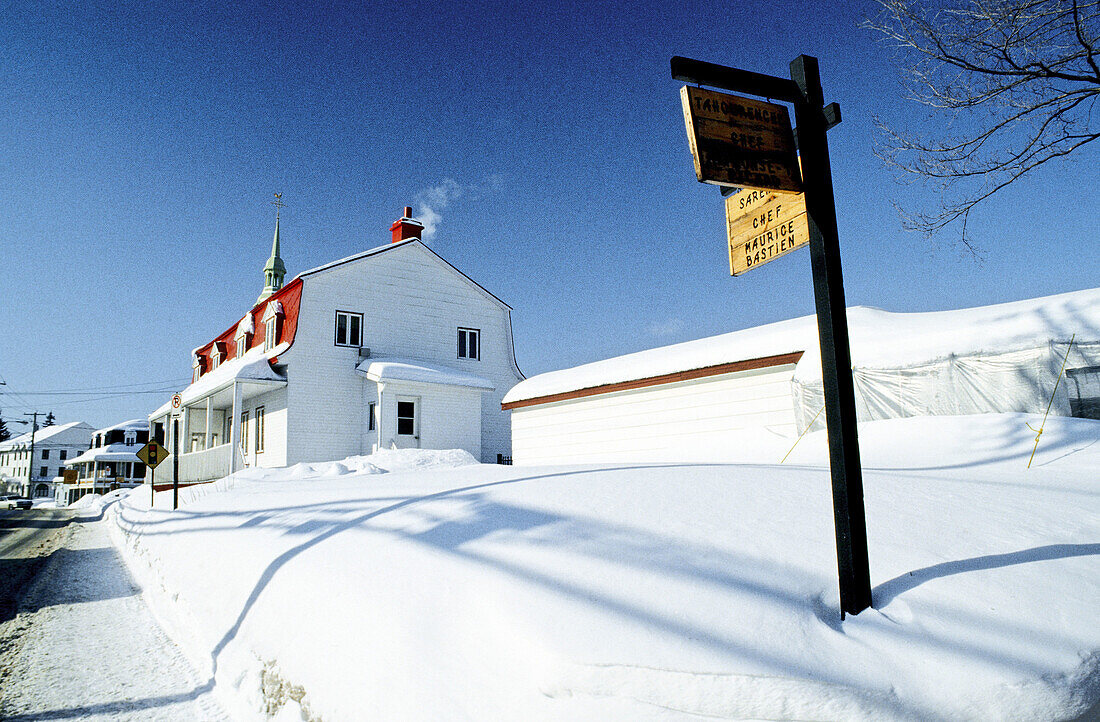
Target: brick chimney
(406, 227)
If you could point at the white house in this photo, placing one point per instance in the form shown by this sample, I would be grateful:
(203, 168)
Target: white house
(54, 446)
(713, 398)
(392, 347)
(110, 462)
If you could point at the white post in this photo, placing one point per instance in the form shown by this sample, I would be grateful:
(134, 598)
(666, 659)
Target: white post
(208, 443)
(235, 427)
(380, 417)
(185, 432)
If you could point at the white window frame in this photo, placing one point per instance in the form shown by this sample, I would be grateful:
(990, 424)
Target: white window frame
(463, 346)
(244, 431)
(271, 328)
(270, 332)
(348, 341)
(242, 343)
(260, 414)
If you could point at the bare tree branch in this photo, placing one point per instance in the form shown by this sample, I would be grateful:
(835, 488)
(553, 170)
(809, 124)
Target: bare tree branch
(1018, 78)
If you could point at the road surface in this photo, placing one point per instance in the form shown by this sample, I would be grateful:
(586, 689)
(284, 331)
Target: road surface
(79, 642)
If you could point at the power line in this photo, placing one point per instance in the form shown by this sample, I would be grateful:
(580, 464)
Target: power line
(109, 388)
(108, 393)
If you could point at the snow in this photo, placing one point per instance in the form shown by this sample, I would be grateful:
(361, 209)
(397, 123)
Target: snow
(112, 452)
(418, 586)
(43, 433)
(396, 369)
(85, 645)
(131, 425)
(246, 325)
(879, 339)
(253, 366)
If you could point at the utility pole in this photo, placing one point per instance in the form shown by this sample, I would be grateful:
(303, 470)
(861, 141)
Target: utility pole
(30, 466)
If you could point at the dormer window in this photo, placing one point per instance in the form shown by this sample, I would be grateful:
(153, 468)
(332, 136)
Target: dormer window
(243, 339)
(272, 318)
(130, 438)
(217, 355)
(198, 367)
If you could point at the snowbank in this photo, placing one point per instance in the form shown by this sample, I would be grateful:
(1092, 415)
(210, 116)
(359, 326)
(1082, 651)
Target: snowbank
(449, 590)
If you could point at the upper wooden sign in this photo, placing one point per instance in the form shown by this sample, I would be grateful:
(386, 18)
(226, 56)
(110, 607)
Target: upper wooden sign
(740, 142)
(762, 226)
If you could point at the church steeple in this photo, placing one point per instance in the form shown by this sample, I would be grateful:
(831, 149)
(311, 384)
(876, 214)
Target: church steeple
(274, 269)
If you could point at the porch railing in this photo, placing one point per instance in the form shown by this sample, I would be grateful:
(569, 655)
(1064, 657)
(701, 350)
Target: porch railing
(203, 465)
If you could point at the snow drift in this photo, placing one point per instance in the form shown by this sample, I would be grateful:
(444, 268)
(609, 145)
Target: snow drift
(450, 590)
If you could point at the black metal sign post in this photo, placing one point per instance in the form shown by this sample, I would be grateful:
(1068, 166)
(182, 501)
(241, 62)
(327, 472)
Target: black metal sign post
(175, 463)
(812, 121)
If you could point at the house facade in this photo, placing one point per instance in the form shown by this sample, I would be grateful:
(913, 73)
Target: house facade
(390, 348)
(110, 462)
(54, 446)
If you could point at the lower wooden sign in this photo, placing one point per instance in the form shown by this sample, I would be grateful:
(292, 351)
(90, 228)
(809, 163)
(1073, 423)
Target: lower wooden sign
(762, 226)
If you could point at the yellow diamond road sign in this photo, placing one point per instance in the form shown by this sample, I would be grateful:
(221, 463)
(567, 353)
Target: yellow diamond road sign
(152, 454)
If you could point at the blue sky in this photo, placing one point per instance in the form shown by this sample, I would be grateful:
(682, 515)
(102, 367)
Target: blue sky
(143, 142)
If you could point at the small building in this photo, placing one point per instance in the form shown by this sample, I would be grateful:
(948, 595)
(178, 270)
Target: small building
(713, 398)
(110, 462)
(389, 348)
(54, 446)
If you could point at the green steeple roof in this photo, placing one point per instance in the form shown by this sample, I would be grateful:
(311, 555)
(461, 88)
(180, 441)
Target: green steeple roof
(274, 269)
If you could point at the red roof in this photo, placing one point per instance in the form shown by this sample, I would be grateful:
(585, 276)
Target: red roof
(290, 296)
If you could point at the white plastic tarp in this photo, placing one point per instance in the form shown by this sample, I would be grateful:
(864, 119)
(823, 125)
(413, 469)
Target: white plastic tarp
(1020, 380)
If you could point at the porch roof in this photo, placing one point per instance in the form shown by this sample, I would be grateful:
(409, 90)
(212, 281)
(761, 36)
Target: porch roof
(104, 454)
(253, 369)
(415, 370)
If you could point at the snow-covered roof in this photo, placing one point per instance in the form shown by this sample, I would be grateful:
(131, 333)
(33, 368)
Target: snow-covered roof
(274, 308)
(131, 425)
(396, 369)
(43, 434)
(879, 339)
(253, 366)
(112, 452)
(246, 325)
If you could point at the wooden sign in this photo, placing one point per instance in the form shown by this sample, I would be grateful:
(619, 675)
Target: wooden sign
(762, 226)
(69, 475)
(739, 141)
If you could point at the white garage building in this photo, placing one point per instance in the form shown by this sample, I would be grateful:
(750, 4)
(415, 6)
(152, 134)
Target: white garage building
(717, 398)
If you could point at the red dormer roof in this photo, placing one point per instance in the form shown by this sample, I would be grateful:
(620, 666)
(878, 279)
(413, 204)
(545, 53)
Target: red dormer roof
(290, 296)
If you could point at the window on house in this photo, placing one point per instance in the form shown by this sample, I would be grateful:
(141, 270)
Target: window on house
(406, 418)
(269, 333)
(349, 329)
(45, 470)
(259, 429)
(215, 360)
(370, 416)
(63, 454)
(242, 344)
(130, 438)
(244, 432)
(469, 345)
(45, 454)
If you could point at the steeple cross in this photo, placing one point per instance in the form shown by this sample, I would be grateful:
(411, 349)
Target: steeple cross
(278, 203)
